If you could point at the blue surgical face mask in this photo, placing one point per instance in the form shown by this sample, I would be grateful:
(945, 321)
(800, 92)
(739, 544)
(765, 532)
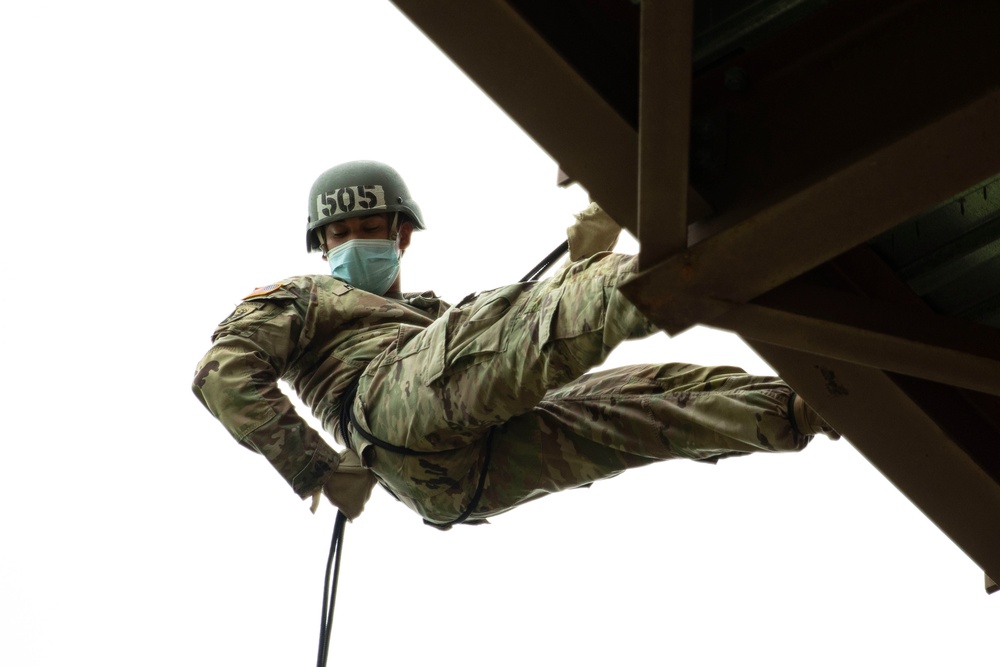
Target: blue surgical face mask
(368, 264)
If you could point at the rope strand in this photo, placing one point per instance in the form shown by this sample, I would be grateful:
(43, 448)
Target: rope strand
(330, 588)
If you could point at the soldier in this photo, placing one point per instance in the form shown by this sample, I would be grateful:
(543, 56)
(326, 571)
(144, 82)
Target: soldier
(462, 413)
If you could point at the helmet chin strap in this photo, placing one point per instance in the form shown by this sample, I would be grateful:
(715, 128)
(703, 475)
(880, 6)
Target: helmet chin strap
(394, 226)
(321, 241)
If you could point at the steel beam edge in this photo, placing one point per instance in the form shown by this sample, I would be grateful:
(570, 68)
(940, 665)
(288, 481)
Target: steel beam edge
(907, 339)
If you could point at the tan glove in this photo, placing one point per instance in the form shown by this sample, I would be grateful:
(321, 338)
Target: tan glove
(348, 487)
(594, 231)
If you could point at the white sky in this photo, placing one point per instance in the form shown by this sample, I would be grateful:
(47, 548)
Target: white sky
(155, 161)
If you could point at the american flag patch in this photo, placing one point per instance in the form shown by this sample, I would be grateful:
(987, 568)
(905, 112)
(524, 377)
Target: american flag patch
(261, 291)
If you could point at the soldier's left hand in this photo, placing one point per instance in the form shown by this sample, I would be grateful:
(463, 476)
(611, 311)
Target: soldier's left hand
(349, 486)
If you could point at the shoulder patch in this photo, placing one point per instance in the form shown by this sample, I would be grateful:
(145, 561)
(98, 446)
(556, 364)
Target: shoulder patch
(266, 289)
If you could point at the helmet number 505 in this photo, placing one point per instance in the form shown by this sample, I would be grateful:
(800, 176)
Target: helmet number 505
(351, 199)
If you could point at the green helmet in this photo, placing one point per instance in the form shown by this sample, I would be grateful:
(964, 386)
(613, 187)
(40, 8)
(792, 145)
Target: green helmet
(354, 189)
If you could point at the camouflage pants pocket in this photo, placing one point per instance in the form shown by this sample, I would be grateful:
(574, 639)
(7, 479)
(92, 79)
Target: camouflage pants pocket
(477, 330)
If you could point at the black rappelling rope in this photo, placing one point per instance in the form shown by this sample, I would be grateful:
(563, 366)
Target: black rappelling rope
(546, 263)
(330, 588)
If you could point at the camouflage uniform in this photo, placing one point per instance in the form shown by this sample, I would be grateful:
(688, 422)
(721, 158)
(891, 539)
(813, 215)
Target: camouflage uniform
(485, 404)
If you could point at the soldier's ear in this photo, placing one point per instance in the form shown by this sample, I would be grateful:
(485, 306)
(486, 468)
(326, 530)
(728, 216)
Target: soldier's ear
(405, 230)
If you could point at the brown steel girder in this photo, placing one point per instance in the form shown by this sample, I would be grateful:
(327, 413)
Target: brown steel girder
(907, 339)
(865, 115)
(664, 118)
(848, 206)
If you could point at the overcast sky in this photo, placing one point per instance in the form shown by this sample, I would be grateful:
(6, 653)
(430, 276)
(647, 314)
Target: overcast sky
(156, 160)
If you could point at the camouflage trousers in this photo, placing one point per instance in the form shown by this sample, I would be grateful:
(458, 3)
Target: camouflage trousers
(502, 376)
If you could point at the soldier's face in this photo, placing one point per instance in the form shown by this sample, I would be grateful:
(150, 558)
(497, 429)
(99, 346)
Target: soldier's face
(368, 227)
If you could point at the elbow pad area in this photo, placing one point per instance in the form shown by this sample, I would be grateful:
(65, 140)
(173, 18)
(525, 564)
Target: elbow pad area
(230, 388)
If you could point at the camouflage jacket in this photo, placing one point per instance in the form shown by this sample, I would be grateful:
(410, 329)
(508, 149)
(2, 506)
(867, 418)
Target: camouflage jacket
(318, 334)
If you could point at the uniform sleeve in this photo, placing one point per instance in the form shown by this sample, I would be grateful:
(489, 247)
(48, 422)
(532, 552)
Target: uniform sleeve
(237, 381)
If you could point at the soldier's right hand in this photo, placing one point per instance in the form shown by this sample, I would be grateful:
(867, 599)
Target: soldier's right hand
(594, 231)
